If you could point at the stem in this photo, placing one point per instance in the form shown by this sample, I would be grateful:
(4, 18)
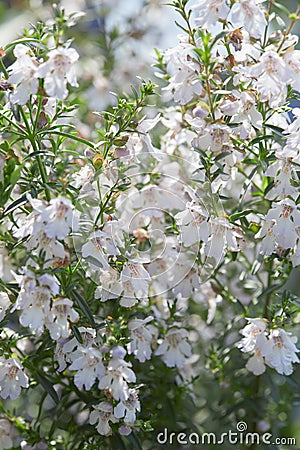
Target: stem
(255, 417)
(258, 379)
(211, 105)
(287, 32)
(2, 66)
(70, 136)
(267, 26)
(183, 13)
(36, 148)
(39, 107)
(268, 296)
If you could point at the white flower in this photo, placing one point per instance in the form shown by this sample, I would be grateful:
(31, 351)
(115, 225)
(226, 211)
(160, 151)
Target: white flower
(54, 218)
(83, 179)
(71, 350)
(215, 137)
(222, 237)
(292, 59)
(59, 217)
(193, 224)
(138, 277)
(93, 252)
(128, 408)
(130, 297)
(250, 332)
(50, 107)
(58, 319)
(31, 225)
(118, 375)
(110, 285)
(184, 82)
(34, 300)
(242, 107)
(256, 363)
(278, 350)
(295, 258)
(141, 141)
(175, 349)
(55, 254)
(207, 294)
(282, 170)
(292, 130)
(12, 378)
(102, 244)
(287, 219)
(89, 367)
(256, 342)
(22, 73)
(283, 351)
(268, 243)
(247, 13)
(141, 338)
(272, 76)
(4, 304)
(185, 278)
(103, 413)
(210, 12)
(58, 70)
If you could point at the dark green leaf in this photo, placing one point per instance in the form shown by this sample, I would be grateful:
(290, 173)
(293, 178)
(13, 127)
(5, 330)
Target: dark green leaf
(48, 386)
(82, 304)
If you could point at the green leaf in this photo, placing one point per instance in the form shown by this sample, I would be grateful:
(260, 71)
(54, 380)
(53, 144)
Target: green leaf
(82, 304)
(269, 290)
(94, 261)
(76, 333)
(269, 187)
(70, 136)
(277, 130)
(221, 155)
(261, 138)
(135, 441)
(20, 201)
(281, 8)
(23, 41)
(48, 386)
(15, 176)
(238, 215)
(39, 152)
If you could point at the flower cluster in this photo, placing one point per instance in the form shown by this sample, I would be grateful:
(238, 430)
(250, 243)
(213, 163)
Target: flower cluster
(46, 226)
(56, 72)
(275, 348)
